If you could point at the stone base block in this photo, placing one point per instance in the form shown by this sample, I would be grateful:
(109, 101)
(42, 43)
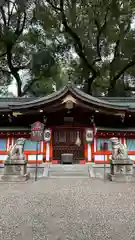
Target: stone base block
(121, 178)
(123, 161)
(15, 172)
(15, 178)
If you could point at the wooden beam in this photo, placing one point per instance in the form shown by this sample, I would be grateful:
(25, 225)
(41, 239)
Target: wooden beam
(101, 110)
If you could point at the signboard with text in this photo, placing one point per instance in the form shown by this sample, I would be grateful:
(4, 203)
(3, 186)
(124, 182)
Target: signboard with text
(37, 131)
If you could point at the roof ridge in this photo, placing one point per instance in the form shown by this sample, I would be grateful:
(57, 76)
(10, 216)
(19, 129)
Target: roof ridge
(103, 102)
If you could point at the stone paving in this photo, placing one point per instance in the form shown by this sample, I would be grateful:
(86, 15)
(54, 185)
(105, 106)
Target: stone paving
(67, 209)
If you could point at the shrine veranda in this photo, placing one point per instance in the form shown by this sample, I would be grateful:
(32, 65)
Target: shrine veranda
(68, 115)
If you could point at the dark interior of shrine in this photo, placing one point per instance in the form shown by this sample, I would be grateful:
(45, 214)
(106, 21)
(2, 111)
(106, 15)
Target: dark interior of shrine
(59, 116)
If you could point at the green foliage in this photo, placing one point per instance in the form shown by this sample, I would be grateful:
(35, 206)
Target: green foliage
(43, 37)
(100, 31)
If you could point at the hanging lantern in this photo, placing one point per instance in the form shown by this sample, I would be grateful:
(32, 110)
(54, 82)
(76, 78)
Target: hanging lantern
(89, 135)
(9, 118)
(47, 135)
(44, 119)
(78, 140)
(122, 118)
(92, 119)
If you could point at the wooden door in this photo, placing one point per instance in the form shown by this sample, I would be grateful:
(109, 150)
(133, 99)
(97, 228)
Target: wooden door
(64, 141)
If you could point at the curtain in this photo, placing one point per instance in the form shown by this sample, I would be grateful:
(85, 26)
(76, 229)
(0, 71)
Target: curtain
(131, 144)
(31, 146)
(3, 144)
(100, 142)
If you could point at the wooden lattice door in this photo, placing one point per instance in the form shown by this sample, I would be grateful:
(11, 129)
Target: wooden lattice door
(64, 141)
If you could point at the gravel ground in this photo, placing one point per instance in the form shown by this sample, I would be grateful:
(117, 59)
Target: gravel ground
(67, 209)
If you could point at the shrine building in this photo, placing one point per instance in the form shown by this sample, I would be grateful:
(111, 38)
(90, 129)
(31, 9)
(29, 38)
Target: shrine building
(75, 123)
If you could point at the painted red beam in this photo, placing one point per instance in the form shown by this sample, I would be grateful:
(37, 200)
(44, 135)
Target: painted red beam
(112, 134)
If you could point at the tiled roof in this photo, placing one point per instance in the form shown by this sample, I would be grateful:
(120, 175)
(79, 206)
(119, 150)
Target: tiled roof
(105, 102)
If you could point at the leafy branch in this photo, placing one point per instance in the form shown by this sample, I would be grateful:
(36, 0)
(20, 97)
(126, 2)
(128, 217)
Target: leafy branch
(10, 43)
(79, 47)
(100, 30)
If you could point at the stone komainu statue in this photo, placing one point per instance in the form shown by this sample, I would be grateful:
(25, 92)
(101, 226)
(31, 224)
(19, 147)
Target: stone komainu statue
(16, 152)
(119, 150)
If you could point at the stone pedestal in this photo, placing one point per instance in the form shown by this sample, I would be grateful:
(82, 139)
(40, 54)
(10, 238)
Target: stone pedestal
(15, 171)
(121, 170)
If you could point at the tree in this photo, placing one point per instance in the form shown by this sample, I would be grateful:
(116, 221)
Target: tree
(13, 18)
(100, 31)
(24, 48)
(42, 37)
(43, 66)
(45, 73)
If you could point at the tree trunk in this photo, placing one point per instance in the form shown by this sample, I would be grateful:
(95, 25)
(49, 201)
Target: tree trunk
(89, 88)
(111, 90)
(89, 84)
(14, 71)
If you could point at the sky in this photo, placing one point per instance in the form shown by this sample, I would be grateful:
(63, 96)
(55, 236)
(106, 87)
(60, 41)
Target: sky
(12, 88)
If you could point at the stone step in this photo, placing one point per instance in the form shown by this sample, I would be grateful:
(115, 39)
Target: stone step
(66, 176)
(68, 170)
(68, 167)
(47, 172)
(68, 173)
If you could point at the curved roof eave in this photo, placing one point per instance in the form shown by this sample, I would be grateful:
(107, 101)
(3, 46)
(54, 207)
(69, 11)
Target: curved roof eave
(96, 101)
(74, 91)
(40, 101)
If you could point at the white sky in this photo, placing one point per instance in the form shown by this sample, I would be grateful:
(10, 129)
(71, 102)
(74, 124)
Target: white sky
(12, 88)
